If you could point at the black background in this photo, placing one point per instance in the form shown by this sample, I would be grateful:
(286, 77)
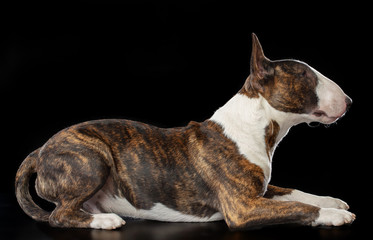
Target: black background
(169, 63)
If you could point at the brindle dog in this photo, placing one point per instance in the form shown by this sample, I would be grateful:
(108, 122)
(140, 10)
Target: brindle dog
(217, 169)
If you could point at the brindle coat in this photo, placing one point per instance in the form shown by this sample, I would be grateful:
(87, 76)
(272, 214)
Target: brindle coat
(195, 170)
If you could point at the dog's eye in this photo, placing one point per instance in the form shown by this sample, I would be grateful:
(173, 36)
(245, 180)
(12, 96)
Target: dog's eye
(304, 73)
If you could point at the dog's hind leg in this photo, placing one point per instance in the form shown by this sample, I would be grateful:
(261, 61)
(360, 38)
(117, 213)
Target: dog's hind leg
(70, 212)
(69, 179)
(70, 216)
(73, 217)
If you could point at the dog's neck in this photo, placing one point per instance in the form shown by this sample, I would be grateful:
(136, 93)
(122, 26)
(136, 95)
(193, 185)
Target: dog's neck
(245, 121)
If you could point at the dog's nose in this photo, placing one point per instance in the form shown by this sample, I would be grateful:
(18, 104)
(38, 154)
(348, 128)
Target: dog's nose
(348, 103)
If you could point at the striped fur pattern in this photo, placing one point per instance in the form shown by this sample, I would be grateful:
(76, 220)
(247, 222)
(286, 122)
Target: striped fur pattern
(218, 169)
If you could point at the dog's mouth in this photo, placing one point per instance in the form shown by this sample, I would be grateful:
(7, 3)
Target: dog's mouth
(319, 113)
(323, 117)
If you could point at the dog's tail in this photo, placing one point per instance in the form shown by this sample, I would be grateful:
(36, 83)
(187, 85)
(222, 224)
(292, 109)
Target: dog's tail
(27, 168)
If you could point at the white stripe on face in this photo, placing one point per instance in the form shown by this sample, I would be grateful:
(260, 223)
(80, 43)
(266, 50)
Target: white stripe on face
(332, 100)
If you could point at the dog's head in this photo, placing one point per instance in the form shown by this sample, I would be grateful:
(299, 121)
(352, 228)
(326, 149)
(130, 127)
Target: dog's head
(292, 86)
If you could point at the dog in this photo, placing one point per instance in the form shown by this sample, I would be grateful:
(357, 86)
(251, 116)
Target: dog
(218, 169)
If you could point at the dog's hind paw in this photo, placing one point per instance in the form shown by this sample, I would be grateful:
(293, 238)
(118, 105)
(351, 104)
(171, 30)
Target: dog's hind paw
(106, 221)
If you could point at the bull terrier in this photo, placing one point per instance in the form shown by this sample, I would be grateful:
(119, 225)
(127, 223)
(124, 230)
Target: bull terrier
(99, 170)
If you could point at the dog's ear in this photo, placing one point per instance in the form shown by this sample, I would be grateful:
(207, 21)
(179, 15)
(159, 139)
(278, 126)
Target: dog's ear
(261, 69)
(259, 65)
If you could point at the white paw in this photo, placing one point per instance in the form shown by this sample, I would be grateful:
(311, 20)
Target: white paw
(106, 221)
(333, 217)
(329, 202)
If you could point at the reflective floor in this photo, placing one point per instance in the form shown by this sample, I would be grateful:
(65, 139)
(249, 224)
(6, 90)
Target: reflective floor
(14, 224)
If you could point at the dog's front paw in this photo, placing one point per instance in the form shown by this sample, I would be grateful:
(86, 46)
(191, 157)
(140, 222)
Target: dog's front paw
(330, 202)
(333, 217)
(106, 221)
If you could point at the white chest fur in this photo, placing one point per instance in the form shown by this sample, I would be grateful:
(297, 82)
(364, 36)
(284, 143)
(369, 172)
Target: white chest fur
(244, 121)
